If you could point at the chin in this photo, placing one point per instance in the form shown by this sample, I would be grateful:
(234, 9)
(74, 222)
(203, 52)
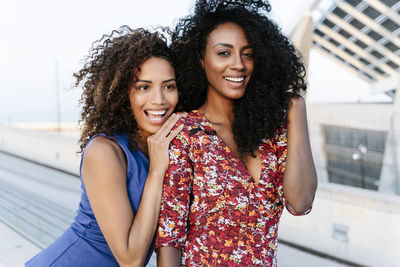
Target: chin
(235, 96)
(153, 129)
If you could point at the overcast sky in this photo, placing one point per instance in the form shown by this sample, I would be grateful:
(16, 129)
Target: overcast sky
(37, 35)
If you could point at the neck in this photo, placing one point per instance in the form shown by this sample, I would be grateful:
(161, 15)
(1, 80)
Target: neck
(217, 108)
(142, 142)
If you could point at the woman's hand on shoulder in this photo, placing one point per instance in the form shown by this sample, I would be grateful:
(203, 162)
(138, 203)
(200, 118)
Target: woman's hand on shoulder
(158, 143)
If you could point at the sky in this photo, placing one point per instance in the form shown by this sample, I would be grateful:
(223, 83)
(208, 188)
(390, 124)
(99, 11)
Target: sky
(43, 44)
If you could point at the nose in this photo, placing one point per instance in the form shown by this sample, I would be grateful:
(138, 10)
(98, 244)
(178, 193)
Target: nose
(237, 62)
(157, 96)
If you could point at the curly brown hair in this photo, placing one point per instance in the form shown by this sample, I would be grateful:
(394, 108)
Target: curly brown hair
(278, 71)
(107, 76)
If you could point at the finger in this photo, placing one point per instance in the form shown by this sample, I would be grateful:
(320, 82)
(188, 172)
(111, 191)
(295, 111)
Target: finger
(183, 114)
(167, 126)
(170, 121)
(174, 133)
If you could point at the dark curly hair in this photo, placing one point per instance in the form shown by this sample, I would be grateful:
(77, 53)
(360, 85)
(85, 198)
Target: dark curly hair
(278, 72)
(107, 76)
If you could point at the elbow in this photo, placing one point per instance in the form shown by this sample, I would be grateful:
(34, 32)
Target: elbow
(130, 263)
(303, 203)
(301, 207)
(168, 257)
(129, 260)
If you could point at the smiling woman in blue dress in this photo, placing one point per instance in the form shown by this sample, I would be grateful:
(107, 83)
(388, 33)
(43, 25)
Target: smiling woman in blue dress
(129, 95)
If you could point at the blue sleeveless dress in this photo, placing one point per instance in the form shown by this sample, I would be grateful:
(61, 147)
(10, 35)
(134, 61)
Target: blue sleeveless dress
(83, 244)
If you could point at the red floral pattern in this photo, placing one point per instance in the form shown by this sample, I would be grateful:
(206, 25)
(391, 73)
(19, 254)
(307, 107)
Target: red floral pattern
(212, 208)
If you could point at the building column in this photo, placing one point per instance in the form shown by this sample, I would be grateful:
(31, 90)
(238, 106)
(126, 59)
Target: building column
(396, 133)
(301, 37)
(390, 174)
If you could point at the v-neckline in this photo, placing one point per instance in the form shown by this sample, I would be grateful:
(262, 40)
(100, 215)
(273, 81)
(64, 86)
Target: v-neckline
(233, 157)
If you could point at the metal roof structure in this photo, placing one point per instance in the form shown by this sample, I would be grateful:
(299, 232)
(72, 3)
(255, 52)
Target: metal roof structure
(361, 35)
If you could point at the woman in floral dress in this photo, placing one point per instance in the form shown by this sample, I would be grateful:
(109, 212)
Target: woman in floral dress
(244, 151)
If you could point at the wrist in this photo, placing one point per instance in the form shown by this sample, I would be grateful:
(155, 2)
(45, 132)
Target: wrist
(156, 172)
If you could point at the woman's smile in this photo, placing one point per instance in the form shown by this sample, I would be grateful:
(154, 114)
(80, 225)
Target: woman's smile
(156, 116)
(154, 95)
(228, 61)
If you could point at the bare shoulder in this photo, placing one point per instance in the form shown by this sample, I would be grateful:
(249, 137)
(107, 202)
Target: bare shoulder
(103, 155)
(102, 146)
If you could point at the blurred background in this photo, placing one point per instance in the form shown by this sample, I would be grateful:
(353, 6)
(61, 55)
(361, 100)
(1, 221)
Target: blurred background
(352, 50)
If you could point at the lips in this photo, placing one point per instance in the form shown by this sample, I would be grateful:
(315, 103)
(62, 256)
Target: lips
(156, 116)
(235, 82)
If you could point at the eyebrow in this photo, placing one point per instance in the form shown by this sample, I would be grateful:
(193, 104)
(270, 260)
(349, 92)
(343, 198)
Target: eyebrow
(231, 46)
(223, 44)
(169, 80)
(143, 81)
(146, 81)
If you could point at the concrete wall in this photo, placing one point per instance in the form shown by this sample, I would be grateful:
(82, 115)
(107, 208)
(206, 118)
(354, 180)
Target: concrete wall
(353, 224)
(349, 223)
(375, 117)
(359, 116)
(48, 148)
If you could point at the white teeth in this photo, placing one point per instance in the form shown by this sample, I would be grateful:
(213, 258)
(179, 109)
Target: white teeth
(156, 116)
(155, 120)
(157, 112)
(233, 79)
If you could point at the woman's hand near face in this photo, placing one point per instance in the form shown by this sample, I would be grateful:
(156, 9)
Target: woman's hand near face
(159, 142)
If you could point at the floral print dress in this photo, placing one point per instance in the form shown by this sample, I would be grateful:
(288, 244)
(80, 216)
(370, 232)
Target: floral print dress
(212, 209)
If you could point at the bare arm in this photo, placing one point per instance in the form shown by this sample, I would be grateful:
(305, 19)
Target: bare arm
(300, 179)
(104, 176)
(168, 257)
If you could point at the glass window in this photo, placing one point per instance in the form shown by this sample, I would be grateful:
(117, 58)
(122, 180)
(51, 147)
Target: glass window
(356, 23)
(376, 54)
(364, 61)
(334, 42)
(340, 58)
(389, 3)
(353, 67)
(369, 76)
(374, 35)
(345, 34)
(390, 25)
(325, 49)
(391, 46)
(378, 70)
(348, 51)
(343, 167)
(353, 2)
(361, 44)
(392, 65)
(371, 12)
(318, 32)
(339, 12)
(328, 23)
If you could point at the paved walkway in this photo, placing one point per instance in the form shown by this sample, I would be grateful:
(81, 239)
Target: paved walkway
(24, 183)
